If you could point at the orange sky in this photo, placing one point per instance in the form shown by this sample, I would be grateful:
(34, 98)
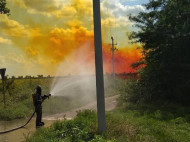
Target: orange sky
(37, 38)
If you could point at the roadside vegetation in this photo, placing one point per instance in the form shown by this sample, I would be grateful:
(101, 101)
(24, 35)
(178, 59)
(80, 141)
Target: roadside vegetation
(129, 122)
(155, 107)
(81, 128)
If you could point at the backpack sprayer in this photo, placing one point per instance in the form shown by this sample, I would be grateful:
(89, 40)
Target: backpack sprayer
(43, 98)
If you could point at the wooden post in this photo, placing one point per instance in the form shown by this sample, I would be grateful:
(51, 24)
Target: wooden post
(2, 72)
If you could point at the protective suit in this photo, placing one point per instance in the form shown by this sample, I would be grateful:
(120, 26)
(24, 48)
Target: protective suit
(38, 106)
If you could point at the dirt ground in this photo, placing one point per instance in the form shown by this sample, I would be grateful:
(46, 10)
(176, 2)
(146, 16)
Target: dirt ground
(110, 103)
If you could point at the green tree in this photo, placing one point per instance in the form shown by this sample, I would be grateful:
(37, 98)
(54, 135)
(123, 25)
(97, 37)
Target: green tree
(164, 32)
(3, 8)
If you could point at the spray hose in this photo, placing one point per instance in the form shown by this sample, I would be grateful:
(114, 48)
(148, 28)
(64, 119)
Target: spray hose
(3, 132)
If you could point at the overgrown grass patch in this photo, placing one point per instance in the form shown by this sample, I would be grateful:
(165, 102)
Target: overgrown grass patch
(122, 126)
(83, 128)
(132, 125)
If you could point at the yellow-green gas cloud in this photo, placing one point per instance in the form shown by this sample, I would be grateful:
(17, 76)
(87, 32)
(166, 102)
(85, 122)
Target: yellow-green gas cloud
(40, 34)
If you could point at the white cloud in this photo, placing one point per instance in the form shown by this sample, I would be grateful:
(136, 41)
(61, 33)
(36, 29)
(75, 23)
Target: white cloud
(115, 19)
(116, 10)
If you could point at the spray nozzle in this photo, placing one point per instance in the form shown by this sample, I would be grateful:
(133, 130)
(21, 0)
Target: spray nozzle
(49, 96)
(46, 96)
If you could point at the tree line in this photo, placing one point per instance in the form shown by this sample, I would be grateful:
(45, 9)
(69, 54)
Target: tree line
(164, 32)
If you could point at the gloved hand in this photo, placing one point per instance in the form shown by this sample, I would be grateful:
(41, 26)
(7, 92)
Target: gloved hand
(49, 96)
(46, 96)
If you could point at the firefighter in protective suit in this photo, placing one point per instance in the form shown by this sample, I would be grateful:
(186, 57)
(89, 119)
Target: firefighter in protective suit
(38, 99)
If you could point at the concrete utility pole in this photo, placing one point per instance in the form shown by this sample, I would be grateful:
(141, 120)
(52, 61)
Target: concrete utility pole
(99, 67)
(113, 58)
(2, 72)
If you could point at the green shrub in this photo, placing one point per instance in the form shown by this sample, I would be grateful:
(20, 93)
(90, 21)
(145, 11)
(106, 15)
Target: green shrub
(80, 129)
(158, 115)
(122, 126)
(128, 92)
(179, 120)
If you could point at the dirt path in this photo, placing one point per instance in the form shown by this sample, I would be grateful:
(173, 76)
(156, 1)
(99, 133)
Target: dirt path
(110, 103)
